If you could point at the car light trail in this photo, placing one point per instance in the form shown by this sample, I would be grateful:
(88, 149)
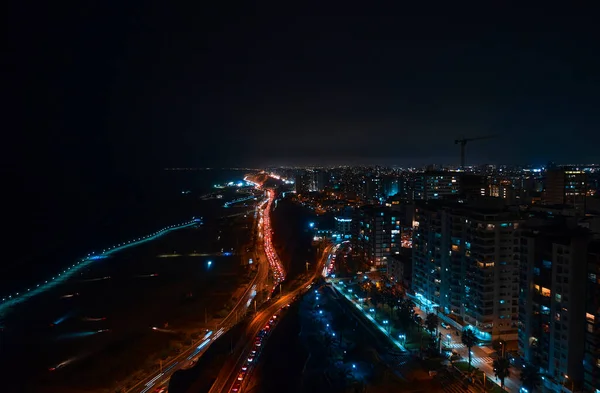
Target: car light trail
(77, 335)
(274, 262)
(204, 343)
(62, 319)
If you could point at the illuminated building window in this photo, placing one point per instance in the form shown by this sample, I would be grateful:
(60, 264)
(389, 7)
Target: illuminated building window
(545, 310)
(547, 264)
(590, 318)
(545, 292)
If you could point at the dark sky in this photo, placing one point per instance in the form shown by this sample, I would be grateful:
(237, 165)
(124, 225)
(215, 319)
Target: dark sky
(97, 95)
(98, 86)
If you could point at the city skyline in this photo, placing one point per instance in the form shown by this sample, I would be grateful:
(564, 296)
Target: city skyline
(239, 197)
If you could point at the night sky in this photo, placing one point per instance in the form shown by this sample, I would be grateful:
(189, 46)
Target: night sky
(149, 84)
(99, 95)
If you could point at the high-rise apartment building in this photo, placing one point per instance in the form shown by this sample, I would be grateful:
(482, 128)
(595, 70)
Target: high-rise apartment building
(591, 359)
(373, 189)
(436, 185)
(399, 268)
(440, 185)
(464, 264)
(373, 236)
(391, 185)
(377, 234)
(502, 189)
(303, 182)
(320, 179)
(552, 302)
(566, 187)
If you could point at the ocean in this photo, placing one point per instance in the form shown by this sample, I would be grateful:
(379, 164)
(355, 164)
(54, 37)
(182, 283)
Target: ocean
(51, 227)
(95, 328)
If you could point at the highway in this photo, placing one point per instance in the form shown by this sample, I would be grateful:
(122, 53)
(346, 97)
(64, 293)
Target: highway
(228, 374)
(160, 378)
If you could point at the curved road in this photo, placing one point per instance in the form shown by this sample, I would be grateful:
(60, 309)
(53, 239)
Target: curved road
(184, 359)
(228, 375)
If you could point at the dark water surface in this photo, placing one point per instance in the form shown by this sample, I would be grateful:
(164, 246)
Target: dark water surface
(51, 226)
(98, 324)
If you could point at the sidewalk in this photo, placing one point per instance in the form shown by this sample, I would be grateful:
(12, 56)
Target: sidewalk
(480, 359)
(364, 308)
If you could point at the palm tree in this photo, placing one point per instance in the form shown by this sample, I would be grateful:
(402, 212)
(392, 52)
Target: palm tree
(390, 300)
(376, 297)
(431, 323)
(470, 340)
(501, 370)
(406, 311)
(530, 377)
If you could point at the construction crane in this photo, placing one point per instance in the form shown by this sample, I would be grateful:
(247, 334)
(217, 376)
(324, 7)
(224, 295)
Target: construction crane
(463, 142)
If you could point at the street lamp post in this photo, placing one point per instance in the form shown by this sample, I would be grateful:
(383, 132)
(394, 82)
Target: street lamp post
(572, 383)
(402, 338)
(387, 323)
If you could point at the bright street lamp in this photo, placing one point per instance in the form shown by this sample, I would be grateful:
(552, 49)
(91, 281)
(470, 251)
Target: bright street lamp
(386, 322)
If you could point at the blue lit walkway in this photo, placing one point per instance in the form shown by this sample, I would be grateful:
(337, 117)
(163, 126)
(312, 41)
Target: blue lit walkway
(227, 204)
(12, 300)
(340, 287)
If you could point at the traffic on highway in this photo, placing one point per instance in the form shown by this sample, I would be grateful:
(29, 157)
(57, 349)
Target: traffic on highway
(274, 262)
(252, 360)
(186, 359)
